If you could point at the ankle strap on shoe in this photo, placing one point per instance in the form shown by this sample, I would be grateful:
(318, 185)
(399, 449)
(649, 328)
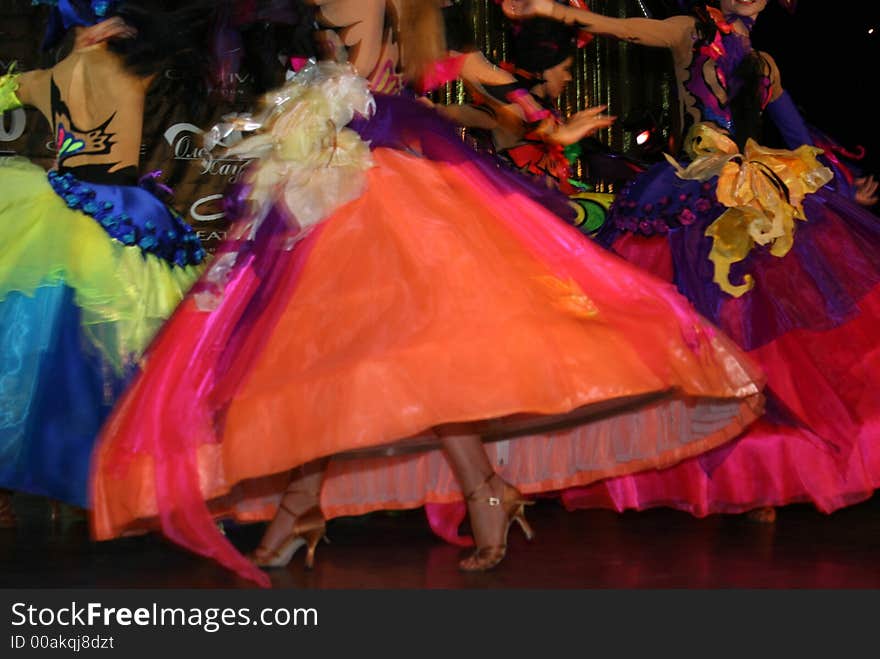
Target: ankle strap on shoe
(491, 500)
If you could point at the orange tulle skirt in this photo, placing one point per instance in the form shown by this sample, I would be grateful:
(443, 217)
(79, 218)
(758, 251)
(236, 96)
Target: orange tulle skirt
(432, 299)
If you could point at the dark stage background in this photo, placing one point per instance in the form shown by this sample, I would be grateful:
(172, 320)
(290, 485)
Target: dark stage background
(825, 52)
(828, 61)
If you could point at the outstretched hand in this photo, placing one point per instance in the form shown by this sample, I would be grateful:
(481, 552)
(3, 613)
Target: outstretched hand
(866, 191)
(582, 124)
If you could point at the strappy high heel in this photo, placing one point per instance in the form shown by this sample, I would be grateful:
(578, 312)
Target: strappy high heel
(309, 528)
(513, 504)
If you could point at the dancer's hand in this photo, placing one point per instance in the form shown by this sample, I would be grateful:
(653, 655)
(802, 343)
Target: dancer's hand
(581, 125)
(112, 28)
(866, 191)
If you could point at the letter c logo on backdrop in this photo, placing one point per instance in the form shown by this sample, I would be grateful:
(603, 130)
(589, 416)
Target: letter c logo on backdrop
(205, 210)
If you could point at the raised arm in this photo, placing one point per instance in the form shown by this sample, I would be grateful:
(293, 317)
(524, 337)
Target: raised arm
(510, 99)
(668, 33)
(516, 111)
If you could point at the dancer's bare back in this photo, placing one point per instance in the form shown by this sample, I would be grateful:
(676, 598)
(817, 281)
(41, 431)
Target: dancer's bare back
(95, 107)
(367, 29)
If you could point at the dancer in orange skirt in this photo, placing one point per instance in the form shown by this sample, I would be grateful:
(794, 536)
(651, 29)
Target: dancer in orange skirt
(395, 322)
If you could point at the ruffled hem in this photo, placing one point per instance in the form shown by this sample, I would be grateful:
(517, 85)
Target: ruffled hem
(671, 431)
(771, 465)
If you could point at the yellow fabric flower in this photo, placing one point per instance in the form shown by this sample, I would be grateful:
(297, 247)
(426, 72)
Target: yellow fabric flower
(306, 155)
(763, 189)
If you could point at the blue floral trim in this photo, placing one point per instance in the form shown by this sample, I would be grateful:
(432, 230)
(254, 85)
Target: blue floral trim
(168, 237)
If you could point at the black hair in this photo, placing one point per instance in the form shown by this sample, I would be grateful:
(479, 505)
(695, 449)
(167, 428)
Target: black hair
(458, 27)
(169, 34)
(271, 35)
(746, 104)
(538, 44)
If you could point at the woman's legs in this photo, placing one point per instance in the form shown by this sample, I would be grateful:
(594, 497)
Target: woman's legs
(298, 522)
(493, 505)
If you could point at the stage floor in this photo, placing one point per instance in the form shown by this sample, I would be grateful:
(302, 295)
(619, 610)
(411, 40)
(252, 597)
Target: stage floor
(584, 549)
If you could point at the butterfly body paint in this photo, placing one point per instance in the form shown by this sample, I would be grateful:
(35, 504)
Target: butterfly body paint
(67, 145)
(70, 140)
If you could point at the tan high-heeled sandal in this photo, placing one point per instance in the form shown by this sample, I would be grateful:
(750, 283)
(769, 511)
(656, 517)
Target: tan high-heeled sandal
(513, 504)
(309, 528)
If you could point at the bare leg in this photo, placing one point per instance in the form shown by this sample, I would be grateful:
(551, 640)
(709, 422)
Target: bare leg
(492, 503)
(298, 522)
(468, 460)
(472, 470)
